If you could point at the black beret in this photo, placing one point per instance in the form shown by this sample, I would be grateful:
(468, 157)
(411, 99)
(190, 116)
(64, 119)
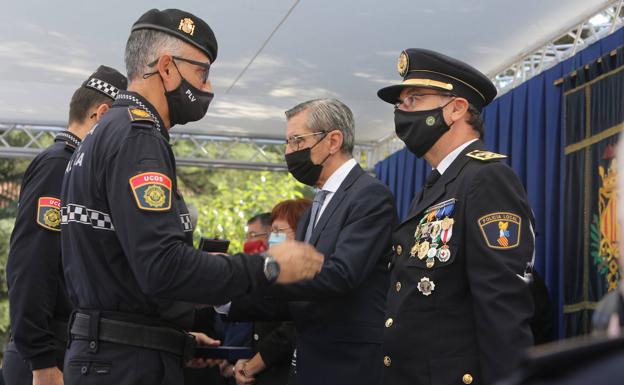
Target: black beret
(106, 80)
(184, 26)
(428, 69)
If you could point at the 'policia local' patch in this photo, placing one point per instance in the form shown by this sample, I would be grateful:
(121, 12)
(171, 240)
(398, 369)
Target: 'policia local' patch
(152, 191)
(49, 213)
(501, 230)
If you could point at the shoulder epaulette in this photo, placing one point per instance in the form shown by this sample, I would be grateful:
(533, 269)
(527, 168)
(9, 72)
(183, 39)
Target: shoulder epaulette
(485, 155)
(140, 115)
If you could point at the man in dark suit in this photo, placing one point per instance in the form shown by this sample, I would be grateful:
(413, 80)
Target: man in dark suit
(339, 315)
(459, 304)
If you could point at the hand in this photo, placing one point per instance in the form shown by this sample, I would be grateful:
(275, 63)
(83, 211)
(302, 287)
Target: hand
(47, 376)
(226, 369)
(204, 340)
(239, 373)
(298, 261)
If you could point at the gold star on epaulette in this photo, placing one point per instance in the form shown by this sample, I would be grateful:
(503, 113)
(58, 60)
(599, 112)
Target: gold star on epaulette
(138, 114)
(485, 155)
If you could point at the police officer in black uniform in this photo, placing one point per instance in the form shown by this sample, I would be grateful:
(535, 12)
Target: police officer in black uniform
(459, 306)
(127, 257)
(39, 307)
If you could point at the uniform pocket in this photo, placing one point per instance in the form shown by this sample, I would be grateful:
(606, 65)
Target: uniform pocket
(86, 367)
(455, 370)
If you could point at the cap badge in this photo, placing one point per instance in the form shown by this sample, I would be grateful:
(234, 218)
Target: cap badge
(187, 26)
(403, 64)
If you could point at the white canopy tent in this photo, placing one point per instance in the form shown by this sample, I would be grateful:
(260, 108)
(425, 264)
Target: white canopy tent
(273, 54)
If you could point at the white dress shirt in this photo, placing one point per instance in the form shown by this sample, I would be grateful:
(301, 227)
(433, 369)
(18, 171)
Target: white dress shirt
(446, 162)
(333, 183)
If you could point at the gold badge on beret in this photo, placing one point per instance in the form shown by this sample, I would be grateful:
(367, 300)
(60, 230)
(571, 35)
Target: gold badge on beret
(403, 63)
(187, 26)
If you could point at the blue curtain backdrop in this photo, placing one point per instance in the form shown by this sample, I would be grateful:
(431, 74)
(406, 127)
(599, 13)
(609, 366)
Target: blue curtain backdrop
(525, 124)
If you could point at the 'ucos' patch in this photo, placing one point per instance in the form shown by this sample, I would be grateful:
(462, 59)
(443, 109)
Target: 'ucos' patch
(501, 230)
(152, 191)
(49, 213)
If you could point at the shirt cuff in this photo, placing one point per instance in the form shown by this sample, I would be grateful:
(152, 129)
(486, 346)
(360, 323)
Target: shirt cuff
(223, 309)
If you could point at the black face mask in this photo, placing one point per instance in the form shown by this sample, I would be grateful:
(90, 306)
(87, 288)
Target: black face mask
(301, 167)
(419, 130)
(187, 103)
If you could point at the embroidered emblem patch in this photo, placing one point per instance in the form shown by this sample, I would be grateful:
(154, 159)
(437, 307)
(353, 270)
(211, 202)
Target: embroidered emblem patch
(152, 191)
(49, 213)
(501, 230)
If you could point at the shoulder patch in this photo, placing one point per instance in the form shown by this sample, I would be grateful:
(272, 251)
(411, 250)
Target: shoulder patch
(139, 115)
(152, 191)
(485, 155)
(49, 213)
(501, 230)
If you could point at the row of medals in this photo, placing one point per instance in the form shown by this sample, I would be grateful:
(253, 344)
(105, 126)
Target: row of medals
(432, 235)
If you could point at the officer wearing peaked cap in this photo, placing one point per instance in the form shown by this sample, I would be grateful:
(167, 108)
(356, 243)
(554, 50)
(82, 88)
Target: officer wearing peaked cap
(459, 306)
(128, 259)
(39, 307)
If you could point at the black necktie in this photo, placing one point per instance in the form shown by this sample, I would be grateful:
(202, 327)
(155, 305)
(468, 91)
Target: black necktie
(431, 180)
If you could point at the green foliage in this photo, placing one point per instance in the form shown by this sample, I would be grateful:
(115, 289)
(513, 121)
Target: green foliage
(6, 226)
(233, 196)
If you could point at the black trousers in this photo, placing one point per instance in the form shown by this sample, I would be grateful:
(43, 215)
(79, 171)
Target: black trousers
(120, 365)
(16, 372)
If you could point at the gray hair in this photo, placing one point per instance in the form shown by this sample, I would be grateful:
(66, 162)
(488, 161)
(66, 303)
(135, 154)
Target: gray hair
(146, 45)
(328, 115)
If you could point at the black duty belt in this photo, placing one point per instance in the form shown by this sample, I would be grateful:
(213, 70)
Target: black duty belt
(94, 328)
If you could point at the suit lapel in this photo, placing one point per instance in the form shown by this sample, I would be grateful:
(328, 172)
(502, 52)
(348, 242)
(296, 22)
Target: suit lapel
(302, 225)
(335, 201)
(439, 188)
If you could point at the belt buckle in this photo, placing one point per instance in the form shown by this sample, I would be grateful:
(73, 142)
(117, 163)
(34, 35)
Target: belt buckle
(189, 347)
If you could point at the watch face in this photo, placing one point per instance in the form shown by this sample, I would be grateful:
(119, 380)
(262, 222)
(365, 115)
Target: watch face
(271, 269)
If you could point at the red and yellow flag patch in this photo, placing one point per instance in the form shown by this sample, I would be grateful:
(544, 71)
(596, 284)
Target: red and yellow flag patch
(49, 213)
(152, 191)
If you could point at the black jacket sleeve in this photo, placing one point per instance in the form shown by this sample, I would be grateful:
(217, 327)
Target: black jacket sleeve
(501, 298)
(33, 267)
(153, 241)
(257, 307)
(277, 346)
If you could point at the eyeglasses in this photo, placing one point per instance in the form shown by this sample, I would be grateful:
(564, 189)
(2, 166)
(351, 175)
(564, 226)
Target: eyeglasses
(204, 66)
(253, 235)
(411, 100)
(278, 230)
(295, 141)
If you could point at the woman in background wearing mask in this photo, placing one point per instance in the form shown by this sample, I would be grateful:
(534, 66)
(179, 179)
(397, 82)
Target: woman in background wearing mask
(274, 342)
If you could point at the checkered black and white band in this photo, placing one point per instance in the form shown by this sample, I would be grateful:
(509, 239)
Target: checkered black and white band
(142, 105)
(186, 222)
(106, 88)
(86, 216)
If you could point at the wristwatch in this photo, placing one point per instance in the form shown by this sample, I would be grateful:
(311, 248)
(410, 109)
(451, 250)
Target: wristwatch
(271, 267)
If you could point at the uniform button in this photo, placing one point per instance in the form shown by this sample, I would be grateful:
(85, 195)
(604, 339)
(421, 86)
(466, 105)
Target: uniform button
(92, 344)
(398, 286)
(387, 361)
(399, 249)
(467, 379)
(389, 322)
(256, 337)
(84, 370)
(389, 266)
